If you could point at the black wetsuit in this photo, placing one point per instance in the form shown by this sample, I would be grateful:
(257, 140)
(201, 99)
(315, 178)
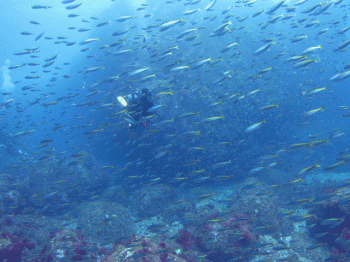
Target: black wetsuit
(138, 104)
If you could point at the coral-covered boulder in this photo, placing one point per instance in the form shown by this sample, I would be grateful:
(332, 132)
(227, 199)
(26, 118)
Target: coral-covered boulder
(103, 221)
(257, 201)
(177, 211)
(151, 201)
(115, 194)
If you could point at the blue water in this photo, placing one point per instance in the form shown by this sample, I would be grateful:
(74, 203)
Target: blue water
(51, 179)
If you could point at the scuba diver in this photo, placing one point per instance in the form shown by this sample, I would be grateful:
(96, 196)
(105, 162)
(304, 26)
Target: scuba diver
(138, 105)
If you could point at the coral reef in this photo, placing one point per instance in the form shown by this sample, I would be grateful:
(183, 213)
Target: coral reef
(12, 250)
(330, 219)
(145, 249)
